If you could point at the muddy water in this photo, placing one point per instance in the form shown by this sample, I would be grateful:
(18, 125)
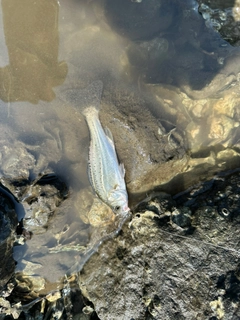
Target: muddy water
(171, 95)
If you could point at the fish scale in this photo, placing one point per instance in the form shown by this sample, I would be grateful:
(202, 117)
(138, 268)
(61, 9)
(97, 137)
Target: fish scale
(106, 175)
(97, 170)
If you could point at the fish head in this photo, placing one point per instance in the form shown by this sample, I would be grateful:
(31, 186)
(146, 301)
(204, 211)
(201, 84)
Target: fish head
(118, 200)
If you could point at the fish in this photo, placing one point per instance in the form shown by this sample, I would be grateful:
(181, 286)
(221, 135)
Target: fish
(105, 173)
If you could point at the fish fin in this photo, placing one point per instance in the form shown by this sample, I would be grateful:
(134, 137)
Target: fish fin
(82, 100)
(122, 169)
(109, 134)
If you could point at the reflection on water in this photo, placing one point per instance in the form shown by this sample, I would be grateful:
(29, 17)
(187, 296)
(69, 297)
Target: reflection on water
(31, 38)
(170, 99)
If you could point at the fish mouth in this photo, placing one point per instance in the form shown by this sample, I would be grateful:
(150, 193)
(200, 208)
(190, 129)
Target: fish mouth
(126, 214)
(123, 216)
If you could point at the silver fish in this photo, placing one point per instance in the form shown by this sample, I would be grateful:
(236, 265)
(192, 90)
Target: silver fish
(105, 173)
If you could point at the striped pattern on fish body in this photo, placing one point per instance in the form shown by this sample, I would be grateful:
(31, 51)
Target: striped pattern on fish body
(105, 173)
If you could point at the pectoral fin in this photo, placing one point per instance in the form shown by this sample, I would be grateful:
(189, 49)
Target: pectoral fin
(122, 170)
(109, 135)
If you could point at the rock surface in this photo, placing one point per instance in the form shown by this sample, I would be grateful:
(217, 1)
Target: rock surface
(179, 259)
(8, 225)
(222, 16)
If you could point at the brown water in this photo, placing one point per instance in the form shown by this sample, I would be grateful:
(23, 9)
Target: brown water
(174, 77)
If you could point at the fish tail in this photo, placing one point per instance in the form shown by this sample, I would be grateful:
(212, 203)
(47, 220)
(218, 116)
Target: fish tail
(86, 100)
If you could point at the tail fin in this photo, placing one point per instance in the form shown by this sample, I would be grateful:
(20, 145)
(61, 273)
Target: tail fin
(85, 98)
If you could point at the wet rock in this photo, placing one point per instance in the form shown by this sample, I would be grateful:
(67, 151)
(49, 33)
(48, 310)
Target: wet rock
(40, 199)
(208, 123)
(8, 225)
(219, 83)
(16, 161)
(145, 53)
(213, 121)
(148, 57)
(7, 309)
(92, 210)
(163, 269)
(45, 144)
(223, 17)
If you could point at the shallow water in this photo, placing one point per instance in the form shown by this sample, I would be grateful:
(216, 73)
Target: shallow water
(176, 79)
